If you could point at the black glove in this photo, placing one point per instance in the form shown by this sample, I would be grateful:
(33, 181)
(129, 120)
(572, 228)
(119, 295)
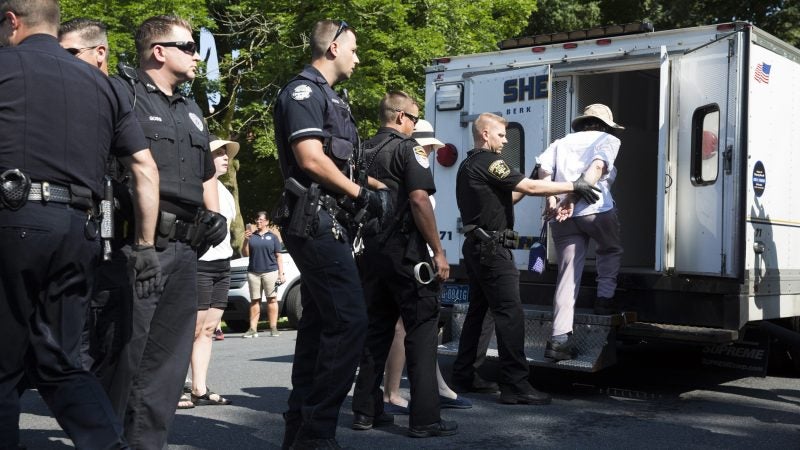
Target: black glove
(216, 227)
(585, 190)
(377, 203)
(146, 270)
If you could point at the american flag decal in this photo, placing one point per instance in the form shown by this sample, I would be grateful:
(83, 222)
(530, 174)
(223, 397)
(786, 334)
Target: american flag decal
(762, 73)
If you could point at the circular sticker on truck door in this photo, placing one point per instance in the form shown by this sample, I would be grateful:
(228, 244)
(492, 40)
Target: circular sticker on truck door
(759, 178)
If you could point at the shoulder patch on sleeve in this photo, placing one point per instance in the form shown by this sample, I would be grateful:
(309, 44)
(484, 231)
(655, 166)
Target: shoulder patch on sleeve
(421, 156)
(499, 169)
(301, 92)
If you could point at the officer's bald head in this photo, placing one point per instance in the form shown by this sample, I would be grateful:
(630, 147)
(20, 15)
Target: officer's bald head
(36, 16)
(91, 32)
(154, 29)
(483, 122)
(324, 33)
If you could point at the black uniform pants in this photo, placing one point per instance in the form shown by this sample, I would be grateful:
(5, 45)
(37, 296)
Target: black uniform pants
(391, 290)
(152, 366)
(108, 323)
(47, 266)
(493, 285)
(331, 331)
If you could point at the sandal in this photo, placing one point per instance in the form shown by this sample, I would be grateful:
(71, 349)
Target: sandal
(185, 402)
(209, 398)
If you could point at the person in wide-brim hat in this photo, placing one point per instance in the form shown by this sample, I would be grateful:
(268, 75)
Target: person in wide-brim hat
(597, 111)
(231, 146)
(424, 135)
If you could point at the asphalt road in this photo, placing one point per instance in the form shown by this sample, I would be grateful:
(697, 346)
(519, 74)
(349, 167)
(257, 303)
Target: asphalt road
(654, 398)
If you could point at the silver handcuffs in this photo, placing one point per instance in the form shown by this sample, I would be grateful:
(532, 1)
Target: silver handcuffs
(424, 273)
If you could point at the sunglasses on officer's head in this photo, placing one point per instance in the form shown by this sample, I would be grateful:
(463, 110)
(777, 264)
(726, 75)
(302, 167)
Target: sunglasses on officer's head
(184, 46)
(342, 26)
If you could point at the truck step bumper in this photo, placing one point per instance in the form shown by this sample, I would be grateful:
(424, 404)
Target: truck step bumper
(595, 338)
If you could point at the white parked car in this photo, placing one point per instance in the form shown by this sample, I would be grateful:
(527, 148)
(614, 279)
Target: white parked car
(237, 314)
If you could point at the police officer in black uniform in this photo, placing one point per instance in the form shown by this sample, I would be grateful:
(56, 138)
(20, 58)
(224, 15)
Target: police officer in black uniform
(153, 363)
(486, 191)
(387, 272)
(58, 117)
(316, 137)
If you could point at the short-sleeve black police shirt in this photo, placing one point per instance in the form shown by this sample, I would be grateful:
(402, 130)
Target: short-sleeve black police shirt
(178, 138)
(401, 164)
(483, 190)
(60, 117)
(301, 111)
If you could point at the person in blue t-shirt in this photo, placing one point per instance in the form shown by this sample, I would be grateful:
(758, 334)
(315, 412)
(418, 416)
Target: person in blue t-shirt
(264, 273)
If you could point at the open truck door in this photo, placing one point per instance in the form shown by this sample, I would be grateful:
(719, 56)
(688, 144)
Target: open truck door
(705, 82)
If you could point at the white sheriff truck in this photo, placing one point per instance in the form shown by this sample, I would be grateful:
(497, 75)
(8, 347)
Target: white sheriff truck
(707, 184)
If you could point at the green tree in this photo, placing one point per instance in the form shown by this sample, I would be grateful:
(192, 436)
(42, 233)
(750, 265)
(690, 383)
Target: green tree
(397, 39)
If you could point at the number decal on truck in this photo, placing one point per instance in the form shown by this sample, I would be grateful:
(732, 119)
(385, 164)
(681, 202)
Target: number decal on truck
(446, 235)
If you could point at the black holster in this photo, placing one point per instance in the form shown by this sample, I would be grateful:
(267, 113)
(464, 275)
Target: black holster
(303, 220)
(164, 229)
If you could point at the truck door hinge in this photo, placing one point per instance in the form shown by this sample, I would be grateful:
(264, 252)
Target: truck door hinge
(727, 159)
(724, 263)
(731, 47)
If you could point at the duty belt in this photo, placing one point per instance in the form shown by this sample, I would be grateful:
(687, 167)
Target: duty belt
(48, 192)
(507, 238)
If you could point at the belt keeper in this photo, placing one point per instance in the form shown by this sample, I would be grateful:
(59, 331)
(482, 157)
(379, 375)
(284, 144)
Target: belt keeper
(45, 191)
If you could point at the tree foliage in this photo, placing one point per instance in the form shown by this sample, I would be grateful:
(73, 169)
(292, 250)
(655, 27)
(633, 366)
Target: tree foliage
(263, 43)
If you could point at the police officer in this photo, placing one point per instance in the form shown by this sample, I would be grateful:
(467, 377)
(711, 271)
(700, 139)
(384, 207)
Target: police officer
(387, 271)
(486, 190)
(316, 136)
(59, 117)
(87, 39)
(153, 363)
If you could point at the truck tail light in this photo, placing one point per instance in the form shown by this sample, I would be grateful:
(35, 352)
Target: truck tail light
(447, 155)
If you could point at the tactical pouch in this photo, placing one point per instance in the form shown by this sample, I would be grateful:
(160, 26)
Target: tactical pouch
(303, 221)
(339, 150)
(508, 238)
(14, 189)
(80, 197)
(164, 229)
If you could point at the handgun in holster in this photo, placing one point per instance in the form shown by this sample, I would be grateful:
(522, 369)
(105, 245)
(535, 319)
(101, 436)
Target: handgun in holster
(303, 220)
(488, 244)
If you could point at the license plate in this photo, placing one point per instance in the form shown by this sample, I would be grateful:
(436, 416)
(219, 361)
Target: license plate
(454, 293)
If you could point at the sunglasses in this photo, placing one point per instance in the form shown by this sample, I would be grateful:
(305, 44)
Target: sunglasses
(413, 118)
(342, 26)
(77, 51)
(189, 47)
